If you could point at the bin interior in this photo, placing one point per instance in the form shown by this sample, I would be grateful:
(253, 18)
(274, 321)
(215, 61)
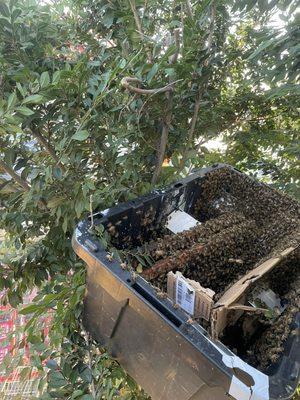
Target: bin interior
(241, 223)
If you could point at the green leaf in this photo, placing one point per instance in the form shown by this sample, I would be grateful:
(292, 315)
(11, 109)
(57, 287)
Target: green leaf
(10, 156)
(56, 77)
(16, 13)
(57, 379)
(32, 308)
(65, 224)
(44, 79)
(14, 299)
(80, 135)
(79, 206)
(4, 10)
(108, 18)
(104, 81)
(86, 375)
(52, 364)
(11, 100)
(261, 47)
(55, 201)
(152, 72)
(34, 99)
(76, 394)
(170, 71)
(5, 22)
(87, 397)
(24, 111)
(21, 90)
(57, 172)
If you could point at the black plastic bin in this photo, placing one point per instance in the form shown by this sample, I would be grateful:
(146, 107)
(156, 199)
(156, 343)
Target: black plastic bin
(170, 357)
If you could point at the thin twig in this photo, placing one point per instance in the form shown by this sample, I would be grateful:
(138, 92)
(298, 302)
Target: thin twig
(139, 26)
(105, 93)
(91, 212)
(150, 92)
(126, 106)
(50, 150)
(201, 89)
(145, 102)
(211, 30)
(201, 143)
(90, 363)
(189, 9)
(10, 171)
(125, 83)
(174, 57)
(1, 82)
(22, 182)
(163, 139)
(167, 119)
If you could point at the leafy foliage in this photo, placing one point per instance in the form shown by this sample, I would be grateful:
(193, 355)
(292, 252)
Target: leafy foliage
(74, 137)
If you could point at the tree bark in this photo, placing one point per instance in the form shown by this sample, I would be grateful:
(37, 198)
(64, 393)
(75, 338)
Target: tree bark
(139, 27)
(201, 88)
(125, 83)
(167, 119)
(50, 150)
(10, 171)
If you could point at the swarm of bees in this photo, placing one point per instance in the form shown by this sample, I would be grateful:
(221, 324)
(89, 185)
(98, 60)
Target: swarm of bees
(266, 350)
(243, 222)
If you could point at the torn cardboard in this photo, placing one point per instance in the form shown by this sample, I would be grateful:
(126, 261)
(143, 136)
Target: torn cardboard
(190, 295)
(234, 298)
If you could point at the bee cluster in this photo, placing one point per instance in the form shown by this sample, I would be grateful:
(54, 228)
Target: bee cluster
(268, 347)
(224, 189)
(243, 222)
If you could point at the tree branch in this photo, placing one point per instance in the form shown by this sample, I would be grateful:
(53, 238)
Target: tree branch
(174, 57)
(189, 8)
(211, 30)
(22, 182)
(168, 89)
(50, 150)
(139, 26)
(201, 88)
(90, 364)
(10, 171)
(168, 117)
(125, 83)
(163, 139)
(1, 82)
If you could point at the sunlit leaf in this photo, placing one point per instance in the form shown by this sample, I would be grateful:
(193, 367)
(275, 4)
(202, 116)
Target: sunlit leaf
(24, 111)
(44, 79)
(34, 99)
(11, 100)
(81, 135)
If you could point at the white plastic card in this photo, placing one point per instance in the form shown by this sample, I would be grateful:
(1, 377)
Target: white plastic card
(179, 221)
(185, 295)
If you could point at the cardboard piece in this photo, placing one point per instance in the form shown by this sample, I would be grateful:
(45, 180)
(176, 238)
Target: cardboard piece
(190, 295)
(179, 221)
(227, 304)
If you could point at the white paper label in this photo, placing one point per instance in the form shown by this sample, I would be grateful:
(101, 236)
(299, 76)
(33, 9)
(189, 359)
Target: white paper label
(185, 296)
(179, 221)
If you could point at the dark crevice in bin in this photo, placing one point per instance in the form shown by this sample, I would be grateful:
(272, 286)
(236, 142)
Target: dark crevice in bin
(163, 310)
